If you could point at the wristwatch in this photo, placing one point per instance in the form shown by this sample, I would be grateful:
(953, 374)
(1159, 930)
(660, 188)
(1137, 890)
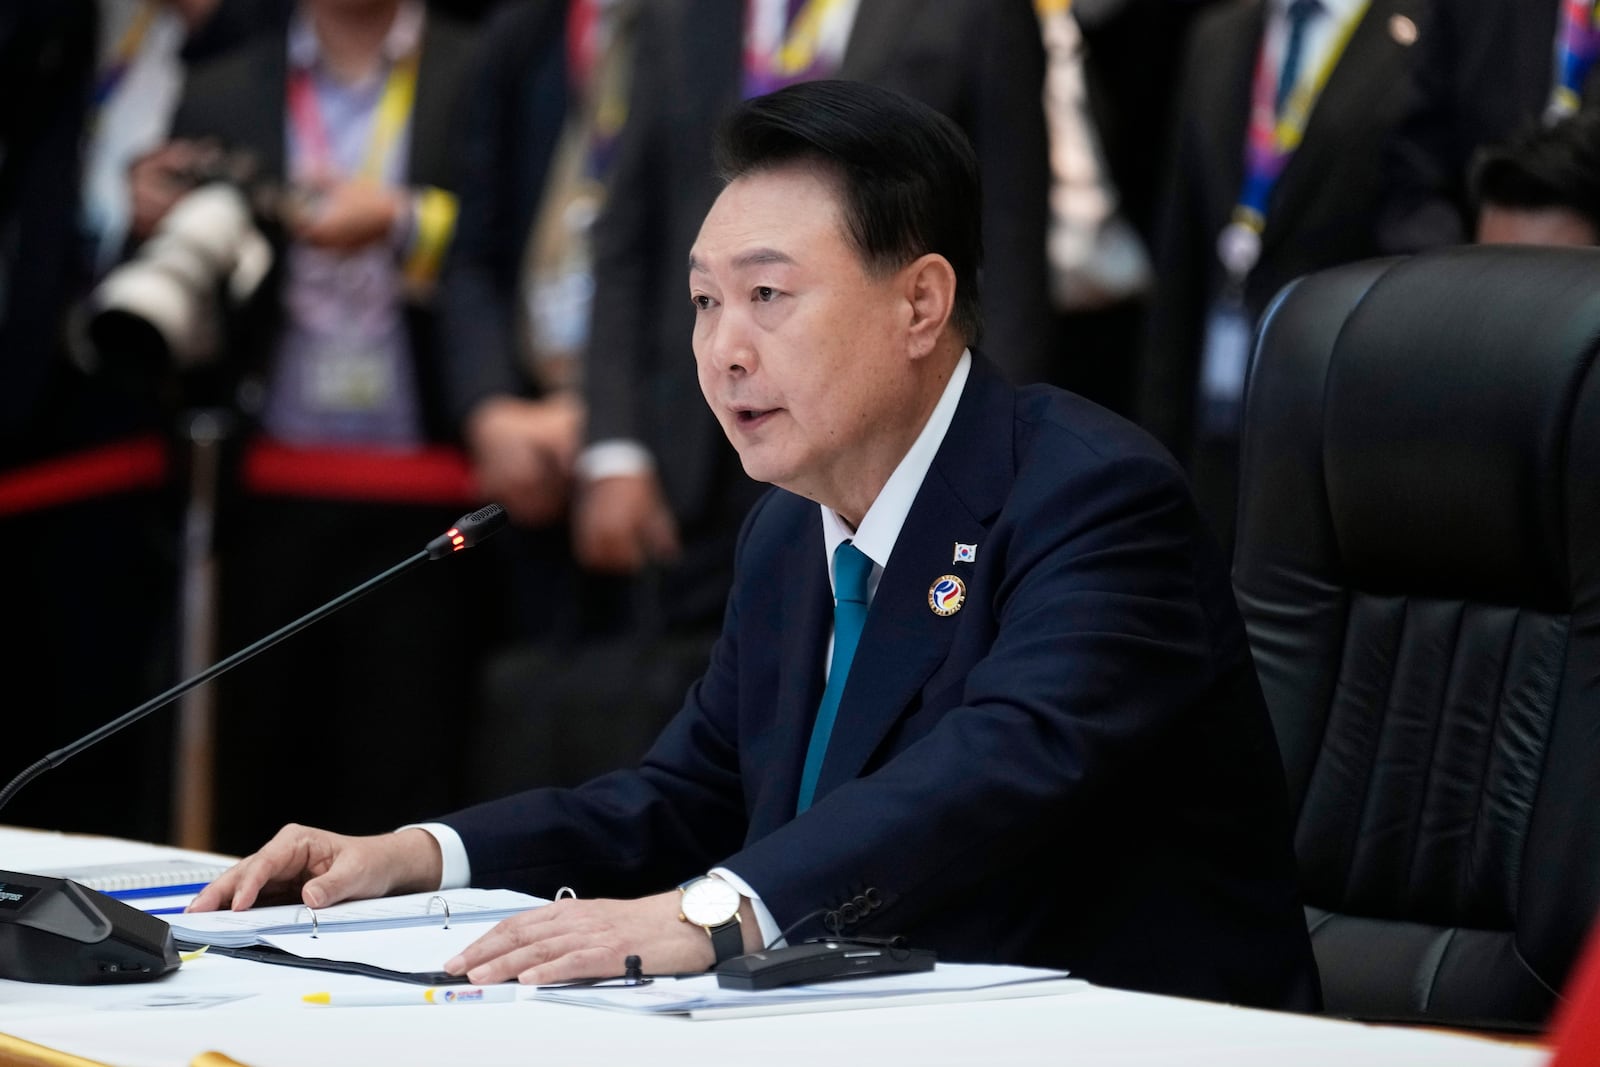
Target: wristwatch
(713, 904)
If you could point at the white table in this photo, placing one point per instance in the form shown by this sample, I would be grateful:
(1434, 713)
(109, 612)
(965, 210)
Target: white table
(253, 1013)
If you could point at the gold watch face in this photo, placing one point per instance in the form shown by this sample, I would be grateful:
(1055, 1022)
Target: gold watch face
(709, 902)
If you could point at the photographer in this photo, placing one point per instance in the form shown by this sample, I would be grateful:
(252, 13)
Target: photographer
(348, 124)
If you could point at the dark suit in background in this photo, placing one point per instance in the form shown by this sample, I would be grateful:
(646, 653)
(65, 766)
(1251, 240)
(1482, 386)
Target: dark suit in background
(374, 706)
(1323, 211)
(1075, 770)
(1482, 74)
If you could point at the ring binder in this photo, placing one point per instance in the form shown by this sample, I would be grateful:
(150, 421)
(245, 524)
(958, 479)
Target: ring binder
(270, 934)
(237, 928)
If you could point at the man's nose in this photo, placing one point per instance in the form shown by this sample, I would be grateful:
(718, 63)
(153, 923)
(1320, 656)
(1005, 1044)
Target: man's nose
(730, 345)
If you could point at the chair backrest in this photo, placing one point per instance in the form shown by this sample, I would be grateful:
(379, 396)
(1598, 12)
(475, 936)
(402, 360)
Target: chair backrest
(1418, 564)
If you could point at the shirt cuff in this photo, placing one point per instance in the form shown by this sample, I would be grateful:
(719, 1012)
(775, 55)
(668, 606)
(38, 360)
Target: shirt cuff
(614, 458)
(457, 869)
(764, 920)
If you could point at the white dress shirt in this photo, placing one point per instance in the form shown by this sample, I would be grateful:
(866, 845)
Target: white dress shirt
(875, 538)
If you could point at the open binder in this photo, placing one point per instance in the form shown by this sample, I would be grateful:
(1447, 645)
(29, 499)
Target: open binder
(403, 938)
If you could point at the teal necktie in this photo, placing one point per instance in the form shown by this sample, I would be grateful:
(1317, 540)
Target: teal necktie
(851, 569)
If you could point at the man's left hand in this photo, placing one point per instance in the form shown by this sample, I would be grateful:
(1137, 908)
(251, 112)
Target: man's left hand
(572, 939)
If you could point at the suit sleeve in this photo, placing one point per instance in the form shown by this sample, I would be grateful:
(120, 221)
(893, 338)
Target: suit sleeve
(627, 237)
(1008, 134)
(478, 287)
(1169, 355)
(1424, 204)
(1102, 647)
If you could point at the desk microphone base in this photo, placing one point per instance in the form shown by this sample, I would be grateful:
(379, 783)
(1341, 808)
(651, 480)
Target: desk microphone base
(57, 932)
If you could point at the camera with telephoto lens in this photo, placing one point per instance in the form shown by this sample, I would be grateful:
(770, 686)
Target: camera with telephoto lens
(167, 308)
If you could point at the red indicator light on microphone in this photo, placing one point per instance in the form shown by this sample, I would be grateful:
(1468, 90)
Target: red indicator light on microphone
(459, 542)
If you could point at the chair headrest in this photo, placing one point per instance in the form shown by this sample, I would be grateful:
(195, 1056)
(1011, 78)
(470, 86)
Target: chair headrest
(1441, 413)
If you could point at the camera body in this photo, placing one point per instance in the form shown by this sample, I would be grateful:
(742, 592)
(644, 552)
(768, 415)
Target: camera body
(167, 307)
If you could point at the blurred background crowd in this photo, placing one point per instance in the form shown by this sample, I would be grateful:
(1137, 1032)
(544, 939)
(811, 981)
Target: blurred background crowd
(286, 287)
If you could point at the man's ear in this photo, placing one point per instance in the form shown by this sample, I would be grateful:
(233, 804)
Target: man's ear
(930, 289)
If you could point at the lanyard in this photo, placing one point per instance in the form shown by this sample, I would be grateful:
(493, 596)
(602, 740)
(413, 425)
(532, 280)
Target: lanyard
(394, 110)
(783, 41)
(1577, 46)
(1273, 140)
(126, 51)
(596, 62)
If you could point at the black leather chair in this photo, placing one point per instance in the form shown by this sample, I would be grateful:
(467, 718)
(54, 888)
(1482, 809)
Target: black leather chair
(1418, 563)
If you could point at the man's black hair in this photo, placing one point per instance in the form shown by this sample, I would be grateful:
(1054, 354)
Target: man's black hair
(908, 176)
(1554, 166)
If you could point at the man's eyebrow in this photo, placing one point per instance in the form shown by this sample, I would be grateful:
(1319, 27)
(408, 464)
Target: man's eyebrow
(753, 258)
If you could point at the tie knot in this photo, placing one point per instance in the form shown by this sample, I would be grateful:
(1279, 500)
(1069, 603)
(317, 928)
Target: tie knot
(851, 569)
(1301, 10)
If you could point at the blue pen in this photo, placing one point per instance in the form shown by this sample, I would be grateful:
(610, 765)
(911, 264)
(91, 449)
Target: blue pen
(157, 891)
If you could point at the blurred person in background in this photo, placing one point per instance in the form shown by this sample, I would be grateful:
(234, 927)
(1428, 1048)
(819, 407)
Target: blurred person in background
(542, 122)
(1487, 70)
(87, 484)
(1542, 187)
(346, 468)
(1273, 173)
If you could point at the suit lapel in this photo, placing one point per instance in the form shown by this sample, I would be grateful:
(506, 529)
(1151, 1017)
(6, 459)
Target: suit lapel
(805, 620)
(904, 640)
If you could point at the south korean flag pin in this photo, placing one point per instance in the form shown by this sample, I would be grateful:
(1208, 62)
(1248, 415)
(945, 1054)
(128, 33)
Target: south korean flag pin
(965, 553)
(947, 594)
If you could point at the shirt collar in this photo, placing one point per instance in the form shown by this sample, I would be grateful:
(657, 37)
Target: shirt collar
(403, 38)
(880, 526)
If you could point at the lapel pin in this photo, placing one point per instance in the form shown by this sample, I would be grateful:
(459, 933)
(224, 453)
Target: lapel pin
(965, 553)
(1403, 30)
(946, 595)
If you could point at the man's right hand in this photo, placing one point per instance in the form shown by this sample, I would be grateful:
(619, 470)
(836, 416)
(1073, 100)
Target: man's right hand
(621, 523)
(319, 868)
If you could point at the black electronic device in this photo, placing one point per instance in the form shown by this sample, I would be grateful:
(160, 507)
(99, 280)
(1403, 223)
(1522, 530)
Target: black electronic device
(820, 961)
(57, 931)
(54, 930)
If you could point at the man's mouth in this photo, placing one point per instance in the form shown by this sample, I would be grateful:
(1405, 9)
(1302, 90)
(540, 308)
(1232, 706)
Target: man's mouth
(751, 416)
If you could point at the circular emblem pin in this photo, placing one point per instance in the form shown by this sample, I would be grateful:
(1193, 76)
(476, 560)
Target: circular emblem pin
(946, 595)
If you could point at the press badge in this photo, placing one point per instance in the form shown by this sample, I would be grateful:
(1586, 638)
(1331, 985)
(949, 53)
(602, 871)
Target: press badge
(344, 375)
(1223, 364)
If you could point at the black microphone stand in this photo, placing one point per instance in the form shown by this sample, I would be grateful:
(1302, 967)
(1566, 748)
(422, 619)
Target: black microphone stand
(55, 930)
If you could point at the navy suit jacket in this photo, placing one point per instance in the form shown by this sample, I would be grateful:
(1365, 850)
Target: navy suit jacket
(1076, 769)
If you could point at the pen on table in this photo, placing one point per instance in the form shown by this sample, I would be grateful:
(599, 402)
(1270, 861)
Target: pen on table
(442, 995)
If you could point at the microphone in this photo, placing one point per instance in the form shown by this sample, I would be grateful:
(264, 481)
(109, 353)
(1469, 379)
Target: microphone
(56, 931)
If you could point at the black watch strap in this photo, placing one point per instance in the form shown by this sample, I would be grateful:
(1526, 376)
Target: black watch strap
(727, 940)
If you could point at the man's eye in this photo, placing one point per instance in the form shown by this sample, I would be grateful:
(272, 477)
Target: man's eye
(765, 293)
(701, 302)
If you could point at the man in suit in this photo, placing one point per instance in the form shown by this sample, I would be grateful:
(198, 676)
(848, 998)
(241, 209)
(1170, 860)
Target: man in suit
(1321, 210)
(1487, 70)
(674, 497)
(1042, 742)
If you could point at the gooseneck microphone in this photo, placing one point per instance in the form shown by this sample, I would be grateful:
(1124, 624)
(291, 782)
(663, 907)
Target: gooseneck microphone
(52, 930)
